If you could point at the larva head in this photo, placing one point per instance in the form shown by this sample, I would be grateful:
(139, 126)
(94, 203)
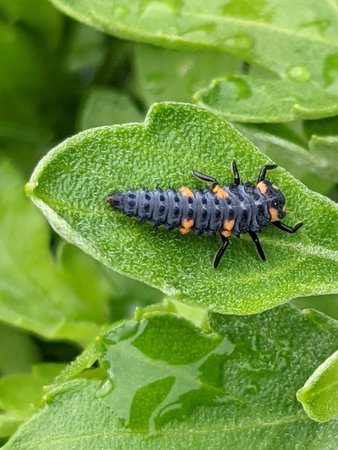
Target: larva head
(275, 199)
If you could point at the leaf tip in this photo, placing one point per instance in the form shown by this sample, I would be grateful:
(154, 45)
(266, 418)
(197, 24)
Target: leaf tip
(29, 187)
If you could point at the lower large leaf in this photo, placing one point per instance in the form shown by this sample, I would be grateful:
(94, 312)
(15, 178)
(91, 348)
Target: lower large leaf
(71, 184)
(168, 384)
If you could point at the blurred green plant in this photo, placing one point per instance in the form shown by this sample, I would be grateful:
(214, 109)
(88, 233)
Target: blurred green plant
(173, 375)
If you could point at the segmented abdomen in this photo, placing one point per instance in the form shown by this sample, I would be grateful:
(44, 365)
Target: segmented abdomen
(244, 207)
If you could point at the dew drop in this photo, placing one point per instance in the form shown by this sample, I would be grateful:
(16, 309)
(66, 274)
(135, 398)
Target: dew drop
(106, 387)
(239, 41)
(299, 73)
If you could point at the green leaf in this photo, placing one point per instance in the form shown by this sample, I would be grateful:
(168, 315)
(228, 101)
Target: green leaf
(323, 127)
(21, 393)
(325, 151)
(107, 107)
(37, 293)
(172, 385)
(249, 99)
(277, 37)
(18, 351)
(327, 304)
(293, 156)
(305, 61)
(87, 51)
(171, 375)
(319, 394)
(48, 23)
(130, 294)
(71, 184)
(165, 74)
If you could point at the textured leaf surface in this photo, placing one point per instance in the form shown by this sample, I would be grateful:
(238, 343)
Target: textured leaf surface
(36, 293)
(320, 392)
(71, 184)
(249, 99)
(176, 386)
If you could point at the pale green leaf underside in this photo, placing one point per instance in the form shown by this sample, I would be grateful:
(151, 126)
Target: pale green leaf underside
(72, 182)
(319, 395)
(248, 99)
(37, 293)
(271, 34)
(176, 386)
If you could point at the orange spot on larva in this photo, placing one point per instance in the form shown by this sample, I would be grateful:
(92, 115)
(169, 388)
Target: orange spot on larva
(262, 187)
(273, 215)
(220, 192)
(227, 227)
(186, 191)
(228, 224)
(226, 233)
(187, 224)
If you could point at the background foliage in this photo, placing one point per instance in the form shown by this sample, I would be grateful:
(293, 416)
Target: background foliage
(202, 379)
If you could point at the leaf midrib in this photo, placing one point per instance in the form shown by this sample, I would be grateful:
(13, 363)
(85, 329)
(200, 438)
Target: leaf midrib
(301, 417)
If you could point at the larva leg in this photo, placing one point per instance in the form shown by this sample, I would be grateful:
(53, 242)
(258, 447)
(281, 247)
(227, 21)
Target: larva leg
(255, 239)
(219, 254)
(235, 173)
(206, 178)
(262, 173)
(286, 228)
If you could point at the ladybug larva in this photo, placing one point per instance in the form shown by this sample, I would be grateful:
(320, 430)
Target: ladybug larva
(232, 209)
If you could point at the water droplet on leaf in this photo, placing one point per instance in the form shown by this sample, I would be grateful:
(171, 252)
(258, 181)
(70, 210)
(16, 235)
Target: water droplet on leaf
(239, 41)
(299, 73)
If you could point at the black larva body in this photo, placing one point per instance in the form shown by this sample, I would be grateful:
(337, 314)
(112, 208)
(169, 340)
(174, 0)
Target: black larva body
(232, 209)
(244, 204)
